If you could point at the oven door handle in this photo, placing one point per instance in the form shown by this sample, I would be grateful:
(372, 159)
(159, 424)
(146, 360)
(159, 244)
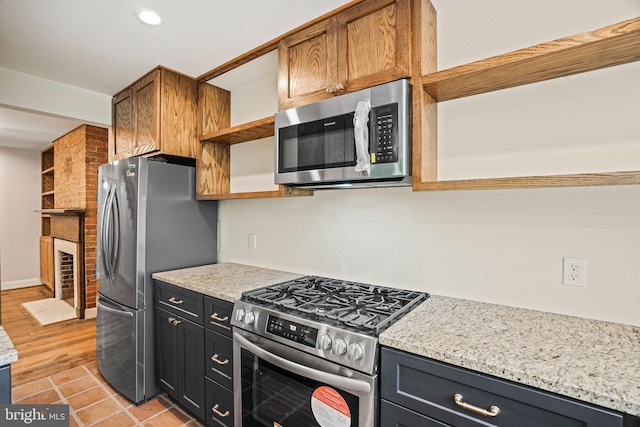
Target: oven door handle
(349, 385)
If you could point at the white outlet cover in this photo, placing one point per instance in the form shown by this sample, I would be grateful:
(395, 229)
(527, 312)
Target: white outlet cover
(574, 272)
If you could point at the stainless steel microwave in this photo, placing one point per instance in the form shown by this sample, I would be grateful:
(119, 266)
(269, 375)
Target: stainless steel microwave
(357, 139)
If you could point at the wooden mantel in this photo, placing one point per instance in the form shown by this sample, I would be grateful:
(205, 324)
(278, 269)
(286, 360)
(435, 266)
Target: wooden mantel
(67, 224)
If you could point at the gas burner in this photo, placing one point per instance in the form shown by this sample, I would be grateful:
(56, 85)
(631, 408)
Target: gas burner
(356, 306)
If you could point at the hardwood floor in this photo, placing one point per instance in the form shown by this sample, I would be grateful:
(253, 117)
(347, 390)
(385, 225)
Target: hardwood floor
(44, 350)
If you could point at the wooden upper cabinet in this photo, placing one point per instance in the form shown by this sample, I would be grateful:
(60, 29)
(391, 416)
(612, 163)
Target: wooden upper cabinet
(365, 45)
(146, 113)
(156, 115)
(307, 64)
(122, 124)
(373, 42)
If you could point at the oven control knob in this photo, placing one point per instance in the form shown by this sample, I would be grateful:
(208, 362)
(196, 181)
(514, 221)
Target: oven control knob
(239, 315)
(355, 351)
(339, 346)
(325, 342)
(249, 317)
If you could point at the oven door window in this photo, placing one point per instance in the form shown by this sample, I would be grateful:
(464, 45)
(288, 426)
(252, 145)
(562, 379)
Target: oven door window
(274, 397)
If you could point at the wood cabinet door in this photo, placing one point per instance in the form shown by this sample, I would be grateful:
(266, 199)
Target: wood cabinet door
(373, 43)
(122, 110)
(146, 114)
(307, 65)
(46, 261)
(178, 114)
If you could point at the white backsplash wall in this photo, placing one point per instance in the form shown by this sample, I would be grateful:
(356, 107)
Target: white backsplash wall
(500, 246)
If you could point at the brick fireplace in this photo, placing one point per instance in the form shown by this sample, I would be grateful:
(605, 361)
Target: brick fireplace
(74, 214)
(67, 273)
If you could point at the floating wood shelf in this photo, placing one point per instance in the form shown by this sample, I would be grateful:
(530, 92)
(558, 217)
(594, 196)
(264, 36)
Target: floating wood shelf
(283, 191)
(608, 46)
(574, 180)
(245, 132)
(605, 47)
(215, 147)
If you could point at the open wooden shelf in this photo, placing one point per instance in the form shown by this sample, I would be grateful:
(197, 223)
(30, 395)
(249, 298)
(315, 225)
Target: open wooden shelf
(214, 162)
(283, 191)
(573, 180)
(257, 129)
(605, 47)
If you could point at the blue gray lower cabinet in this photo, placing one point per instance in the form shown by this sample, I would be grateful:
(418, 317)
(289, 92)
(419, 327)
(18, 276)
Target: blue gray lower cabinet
(194, 362)
(179, 341)
(219, 362)
(418, 392)
(5, 384)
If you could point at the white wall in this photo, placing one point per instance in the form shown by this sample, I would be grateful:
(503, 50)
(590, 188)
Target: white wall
(501, 246)
(30, 93)
(19, 224)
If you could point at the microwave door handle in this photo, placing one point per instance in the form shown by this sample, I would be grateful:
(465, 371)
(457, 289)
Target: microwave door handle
(349, 385)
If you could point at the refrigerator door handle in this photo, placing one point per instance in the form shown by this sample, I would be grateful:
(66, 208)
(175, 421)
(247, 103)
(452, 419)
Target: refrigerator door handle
(113, 310)
(104, 234)
(116, 233)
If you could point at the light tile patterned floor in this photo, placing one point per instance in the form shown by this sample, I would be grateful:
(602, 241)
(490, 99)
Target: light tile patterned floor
(93, 402)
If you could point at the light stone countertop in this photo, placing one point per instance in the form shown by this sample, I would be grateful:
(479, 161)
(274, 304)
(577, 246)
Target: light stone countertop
(226, 281)
(8, 353)
(593, 361)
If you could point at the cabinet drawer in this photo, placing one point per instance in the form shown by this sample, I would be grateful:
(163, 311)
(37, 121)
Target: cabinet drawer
(428, 387)
(218, 315)
(179, 301)
(5, 384)
(392, 415)
(219, 405)
(219, 358)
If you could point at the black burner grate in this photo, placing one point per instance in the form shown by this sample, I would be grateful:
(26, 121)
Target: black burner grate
(365, 308)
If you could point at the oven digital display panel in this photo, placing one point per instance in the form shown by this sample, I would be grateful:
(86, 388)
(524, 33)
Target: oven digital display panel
(292, 331)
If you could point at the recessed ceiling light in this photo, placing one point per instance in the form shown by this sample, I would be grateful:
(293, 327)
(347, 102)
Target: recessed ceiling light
(149, 16)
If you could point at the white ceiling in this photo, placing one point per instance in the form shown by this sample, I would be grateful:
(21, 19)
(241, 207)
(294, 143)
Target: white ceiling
(102, 47)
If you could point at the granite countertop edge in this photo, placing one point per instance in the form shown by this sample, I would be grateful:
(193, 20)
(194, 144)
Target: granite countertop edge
(8, 353)
(226, 281)
(592, 361)
(529, 347)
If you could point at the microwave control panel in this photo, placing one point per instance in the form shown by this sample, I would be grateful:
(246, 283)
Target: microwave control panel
(384, 134)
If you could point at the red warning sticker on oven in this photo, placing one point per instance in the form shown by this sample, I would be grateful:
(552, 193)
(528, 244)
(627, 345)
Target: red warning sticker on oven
(329, 408)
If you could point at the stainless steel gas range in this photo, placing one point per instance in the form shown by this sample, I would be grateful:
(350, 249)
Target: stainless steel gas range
(306, 351)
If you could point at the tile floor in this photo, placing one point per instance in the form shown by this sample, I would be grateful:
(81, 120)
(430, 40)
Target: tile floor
(93, 402)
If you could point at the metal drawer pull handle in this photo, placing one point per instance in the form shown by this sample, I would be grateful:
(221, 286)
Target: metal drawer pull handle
(175, 301)
(218, 361)
(492, 412)
(218, 413)
(176, 322)
(171, 319)
(214, 316)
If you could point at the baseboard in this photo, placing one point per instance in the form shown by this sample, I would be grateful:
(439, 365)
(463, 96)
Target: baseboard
(17, 284)
(90, 313)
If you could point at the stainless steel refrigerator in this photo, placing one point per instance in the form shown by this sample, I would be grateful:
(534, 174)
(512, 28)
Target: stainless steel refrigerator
(148, 221)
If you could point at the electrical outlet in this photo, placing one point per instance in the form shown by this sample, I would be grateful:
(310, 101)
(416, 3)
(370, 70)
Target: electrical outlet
(574, 272)
(252, 241)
